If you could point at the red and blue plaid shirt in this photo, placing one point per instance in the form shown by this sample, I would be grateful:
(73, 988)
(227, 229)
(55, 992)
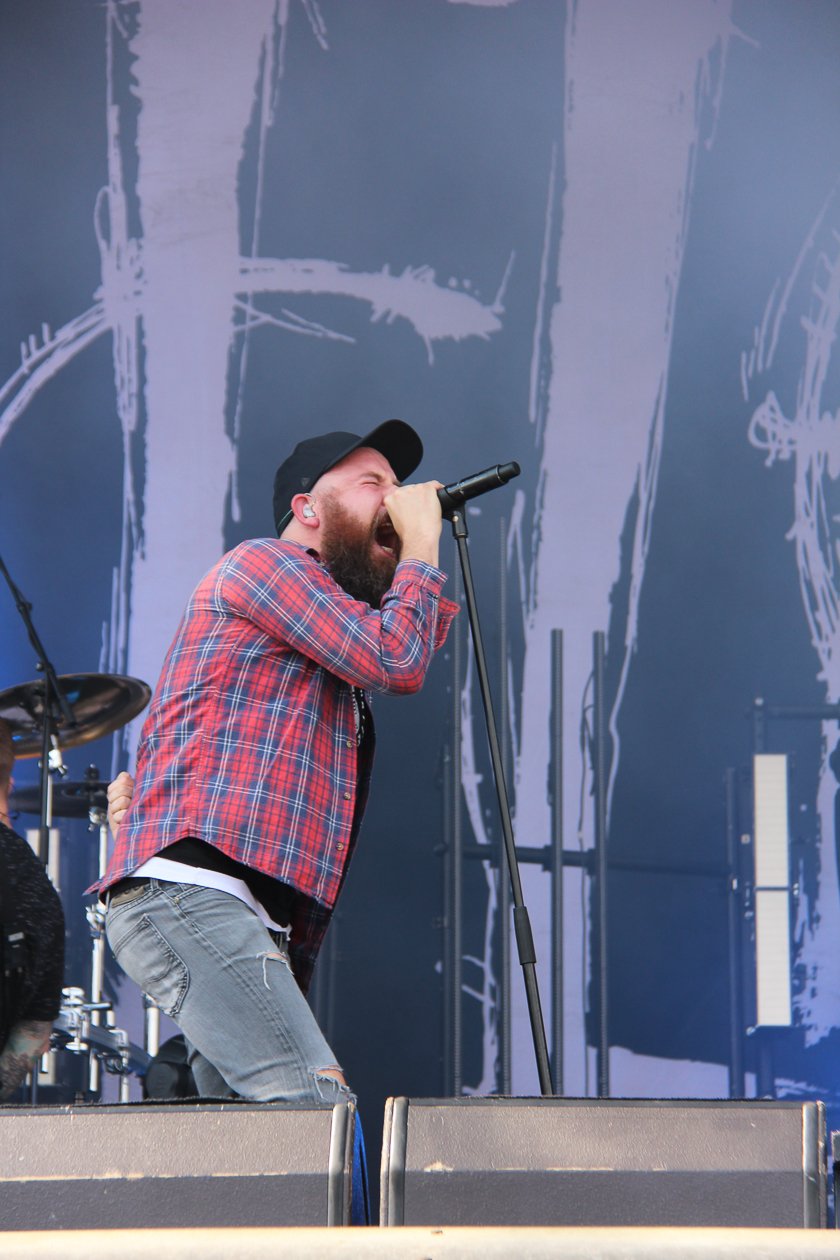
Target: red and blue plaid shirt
(250, 743)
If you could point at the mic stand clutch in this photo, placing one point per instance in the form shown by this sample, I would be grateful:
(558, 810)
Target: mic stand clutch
(521, 921)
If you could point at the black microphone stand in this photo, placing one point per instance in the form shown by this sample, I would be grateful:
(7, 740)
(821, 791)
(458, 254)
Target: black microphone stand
(521, 920)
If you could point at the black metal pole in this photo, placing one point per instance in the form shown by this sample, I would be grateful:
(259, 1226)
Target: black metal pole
(557, 857)
(53, 696)
(505, 1012)
(457, 877)
(600, 801)
(733, 922)
(521, 921)
(44, 664)
(447, 920)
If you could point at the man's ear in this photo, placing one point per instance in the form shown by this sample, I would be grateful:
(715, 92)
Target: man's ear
(304, 510)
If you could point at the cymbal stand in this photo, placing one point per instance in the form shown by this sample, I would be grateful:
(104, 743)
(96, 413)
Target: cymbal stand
(54, 700)
(96, 921)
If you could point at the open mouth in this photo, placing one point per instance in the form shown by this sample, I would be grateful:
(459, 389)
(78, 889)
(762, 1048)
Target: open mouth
(387, 539)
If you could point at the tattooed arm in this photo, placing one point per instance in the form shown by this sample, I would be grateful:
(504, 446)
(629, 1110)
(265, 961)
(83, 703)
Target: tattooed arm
(28, 1040)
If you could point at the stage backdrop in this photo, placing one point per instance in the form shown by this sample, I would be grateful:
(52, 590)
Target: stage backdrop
(600, 238)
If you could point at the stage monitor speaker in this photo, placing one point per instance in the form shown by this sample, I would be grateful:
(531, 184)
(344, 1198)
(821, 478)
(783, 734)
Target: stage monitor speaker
(130, 1165)
(565, 1161)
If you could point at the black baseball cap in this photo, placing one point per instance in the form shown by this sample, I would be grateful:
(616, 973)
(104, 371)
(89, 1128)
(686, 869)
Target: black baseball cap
(312, 457)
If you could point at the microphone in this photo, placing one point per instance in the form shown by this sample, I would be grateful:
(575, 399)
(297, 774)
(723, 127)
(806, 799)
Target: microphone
(451, 497)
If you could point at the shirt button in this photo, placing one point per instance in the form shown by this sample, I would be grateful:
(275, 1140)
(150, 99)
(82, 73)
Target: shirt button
(349, 743)
(348, 796)
(340, 847)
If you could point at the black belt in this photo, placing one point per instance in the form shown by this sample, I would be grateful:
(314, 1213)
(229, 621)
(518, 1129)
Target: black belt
(123, 885)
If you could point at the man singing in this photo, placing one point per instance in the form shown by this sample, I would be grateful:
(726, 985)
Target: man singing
(254, 761)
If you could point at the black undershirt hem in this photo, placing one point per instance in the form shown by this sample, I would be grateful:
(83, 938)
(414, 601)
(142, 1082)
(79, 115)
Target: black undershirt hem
(276, 898)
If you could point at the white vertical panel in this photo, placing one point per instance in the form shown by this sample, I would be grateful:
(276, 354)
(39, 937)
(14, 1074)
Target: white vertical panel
(770, 830)
(772, 958)
(772, 890)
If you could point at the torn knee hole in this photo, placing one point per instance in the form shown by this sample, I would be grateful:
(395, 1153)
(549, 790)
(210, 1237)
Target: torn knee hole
(329, 1071)
(333, 1073)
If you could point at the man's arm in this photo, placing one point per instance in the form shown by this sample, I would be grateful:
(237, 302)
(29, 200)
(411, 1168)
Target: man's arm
(28, 1040)
(294, 600)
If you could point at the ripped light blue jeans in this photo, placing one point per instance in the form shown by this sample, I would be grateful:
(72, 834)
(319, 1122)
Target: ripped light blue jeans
(206, 959)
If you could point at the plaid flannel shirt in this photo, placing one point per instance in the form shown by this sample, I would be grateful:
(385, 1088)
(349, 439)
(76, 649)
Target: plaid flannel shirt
(250, 742)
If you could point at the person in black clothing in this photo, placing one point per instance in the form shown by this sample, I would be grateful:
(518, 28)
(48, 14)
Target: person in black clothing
(31, 944)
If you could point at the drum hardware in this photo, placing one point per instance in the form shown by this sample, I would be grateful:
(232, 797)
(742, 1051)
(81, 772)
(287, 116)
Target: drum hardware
(69, 800)
(55, 712)
(151, 1025)
(78, 1031)
(86, 798)
(72, 1026)
(99, 704)
(86, 1027)
(95, 913)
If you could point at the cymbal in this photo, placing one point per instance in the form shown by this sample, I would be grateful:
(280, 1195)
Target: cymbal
(69, 800)
(100, 703)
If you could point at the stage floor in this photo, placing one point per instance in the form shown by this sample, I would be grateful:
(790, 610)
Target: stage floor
(415, 1243)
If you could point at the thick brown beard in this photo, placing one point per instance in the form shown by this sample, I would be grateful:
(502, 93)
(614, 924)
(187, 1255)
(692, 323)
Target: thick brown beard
(347, 549)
